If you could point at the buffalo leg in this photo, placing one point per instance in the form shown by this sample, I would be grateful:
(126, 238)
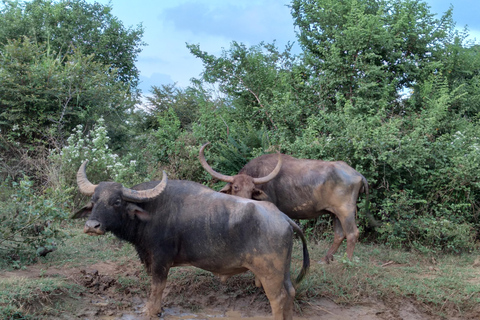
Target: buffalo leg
(288, 310)
(350, 230)
(338, 237)
(352, 235)
(159, 281)
(154, 304)
(280, 293)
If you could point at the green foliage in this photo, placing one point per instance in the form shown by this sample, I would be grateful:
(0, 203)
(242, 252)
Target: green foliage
(231, 155)
(44, 94)
(366, 51)
(183, 102)
(104, 164)
(62, 63)
(65, 24)
(216, 121)
(429, 235)
(166, 135)
(170, 147)
(29, 222)
(341, 100)
(264, 87)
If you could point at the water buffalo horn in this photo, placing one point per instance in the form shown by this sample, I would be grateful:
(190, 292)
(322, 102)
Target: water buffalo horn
(145, 195)
(85, 186)
(209, 169)
(272, 174)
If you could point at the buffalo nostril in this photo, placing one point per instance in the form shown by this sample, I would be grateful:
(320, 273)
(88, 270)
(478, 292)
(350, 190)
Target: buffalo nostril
(93, 224)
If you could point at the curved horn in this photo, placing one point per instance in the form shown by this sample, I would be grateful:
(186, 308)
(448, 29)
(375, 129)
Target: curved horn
(85, 186)
(145, 195)
(272, 174)
(209, 169)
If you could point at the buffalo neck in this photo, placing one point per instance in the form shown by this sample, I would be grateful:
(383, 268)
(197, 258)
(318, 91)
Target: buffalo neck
(131, 230)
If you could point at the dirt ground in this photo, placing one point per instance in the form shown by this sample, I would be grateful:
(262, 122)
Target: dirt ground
(114, 291)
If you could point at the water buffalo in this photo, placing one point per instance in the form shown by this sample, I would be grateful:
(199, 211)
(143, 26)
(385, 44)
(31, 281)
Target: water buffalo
(183, 223)
(302, 189)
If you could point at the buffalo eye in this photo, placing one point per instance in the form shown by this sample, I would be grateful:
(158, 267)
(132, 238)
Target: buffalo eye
(235, 187)
(117, 203)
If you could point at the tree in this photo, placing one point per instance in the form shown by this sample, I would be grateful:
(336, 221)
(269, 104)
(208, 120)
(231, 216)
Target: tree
(264, 87)
(75, 25)
(183, 102)
(64, 63)
(44, 94)
(461, 67)
(367, 51)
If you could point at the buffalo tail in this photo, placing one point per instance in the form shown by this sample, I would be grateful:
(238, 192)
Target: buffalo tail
(306, 256)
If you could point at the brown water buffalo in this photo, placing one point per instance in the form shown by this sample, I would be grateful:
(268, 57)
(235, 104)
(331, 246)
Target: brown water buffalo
(183, 223)
(302, 189)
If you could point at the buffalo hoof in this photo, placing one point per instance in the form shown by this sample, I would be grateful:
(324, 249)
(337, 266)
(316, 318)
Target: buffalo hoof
(326, 259)
(152, 313)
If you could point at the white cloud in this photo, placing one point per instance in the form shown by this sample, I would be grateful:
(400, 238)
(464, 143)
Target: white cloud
(265, 21)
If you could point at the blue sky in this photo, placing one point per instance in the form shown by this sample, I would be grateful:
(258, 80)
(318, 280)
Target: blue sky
(214, 24)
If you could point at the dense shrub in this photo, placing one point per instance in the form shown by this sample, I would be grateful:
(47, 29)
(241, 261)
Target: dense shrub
(29, 221)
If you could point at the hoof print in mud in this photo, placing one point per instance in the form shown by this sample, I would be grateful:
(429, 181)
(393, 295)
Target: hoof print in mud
(96, 282)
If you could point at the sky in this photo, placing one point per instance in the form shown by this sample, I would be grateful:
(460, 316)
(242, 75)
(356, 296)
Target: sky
(214, 24)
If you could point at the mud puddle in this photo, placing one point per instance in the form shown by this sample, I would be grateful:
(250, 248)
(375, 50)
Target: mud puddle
(176, 314)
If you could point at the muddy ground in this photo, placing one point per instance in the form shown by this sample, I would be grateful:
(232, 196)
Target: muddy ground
(119, 291)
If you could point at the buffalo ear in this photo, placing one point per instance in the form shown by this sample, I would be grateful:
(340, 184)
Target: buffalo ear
(84, 212)
(134, 210)
(258, 194)
(227, 189)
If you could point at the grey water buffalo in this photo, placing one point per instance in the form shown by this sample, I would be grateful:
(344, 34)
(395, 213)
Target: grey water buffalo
(302, 189)
(179, 223)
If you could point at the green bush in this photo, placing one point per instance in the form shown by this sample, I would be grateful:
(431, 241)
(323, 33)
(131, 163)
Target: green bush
(30, 222)
(429, 235)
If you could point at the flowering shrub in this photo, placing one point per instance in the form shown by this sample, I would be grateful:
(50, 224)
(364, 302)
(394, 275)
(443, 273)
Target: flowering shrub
(103, 165)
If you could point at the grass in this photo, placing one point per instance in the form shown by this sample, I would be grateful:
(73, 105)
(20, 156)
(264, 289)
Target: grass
(440, 285)
(22, 298)
(83, 249)
(45, 296)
